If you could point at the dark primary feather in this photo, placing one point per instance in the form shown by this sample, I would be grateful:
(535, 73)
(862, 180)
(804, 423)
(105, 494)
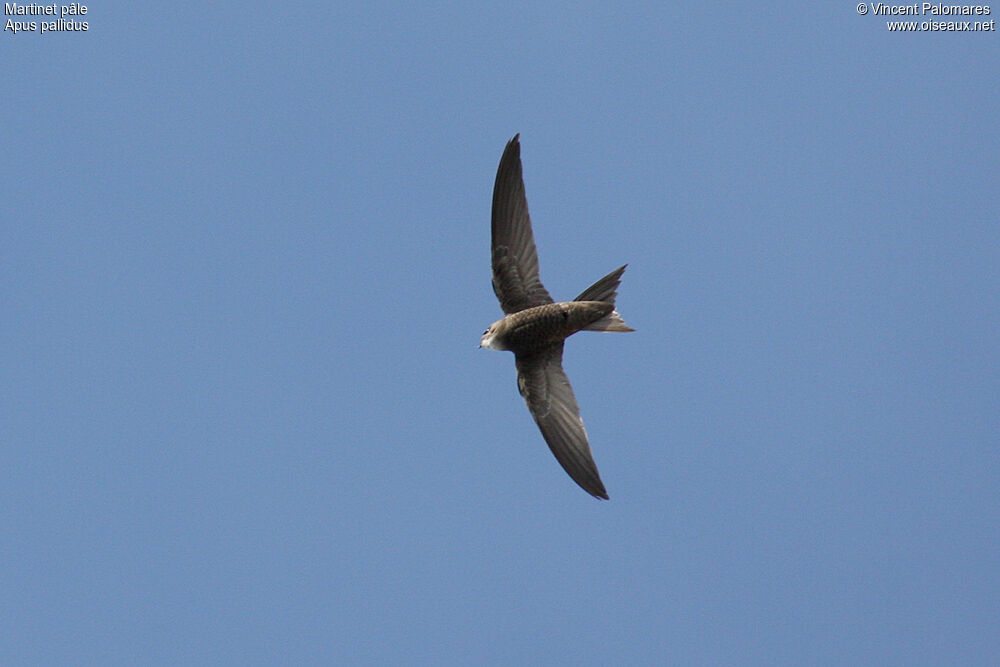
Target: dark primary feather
(546, 389)
(515, 259)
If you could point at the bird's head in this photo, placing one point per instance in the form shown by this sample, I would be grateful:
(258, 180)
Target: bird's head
(491, 338)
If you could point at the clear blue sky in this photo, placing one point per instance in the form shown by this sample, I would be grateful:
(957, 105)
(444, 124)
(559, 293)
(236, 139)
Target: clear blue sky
(245, 268)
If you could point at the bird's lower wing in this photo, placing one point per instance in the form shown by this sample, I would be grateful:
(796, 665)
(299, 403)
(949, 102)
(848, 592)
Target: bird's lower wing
(546, 389)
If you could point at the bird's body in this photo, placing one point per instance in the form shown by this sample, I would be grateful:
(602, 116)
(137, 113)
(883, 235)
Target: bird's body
(535, 327)
(532, 329)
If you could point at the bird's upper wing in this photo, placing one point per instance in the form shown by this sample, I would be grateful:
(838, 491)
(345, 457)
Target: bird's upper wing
(546, 390)
(515, 259)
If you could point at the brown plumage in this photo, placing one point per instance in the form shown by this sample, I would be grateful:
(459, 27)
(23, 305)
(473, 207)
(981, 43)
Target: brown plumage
(535, 326)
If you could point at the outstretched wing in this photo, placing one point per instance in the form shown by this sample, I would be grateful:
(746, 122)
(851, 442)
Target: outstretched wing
(546, 390)
(515, 259)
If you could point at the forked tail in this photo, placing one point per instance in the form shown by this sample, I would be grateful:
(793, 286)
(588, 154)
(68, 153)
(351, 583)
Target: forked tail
(606, 289)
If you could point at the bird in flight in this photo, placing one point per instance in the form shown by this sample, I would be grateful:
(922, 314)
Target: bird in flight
(535, 327)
